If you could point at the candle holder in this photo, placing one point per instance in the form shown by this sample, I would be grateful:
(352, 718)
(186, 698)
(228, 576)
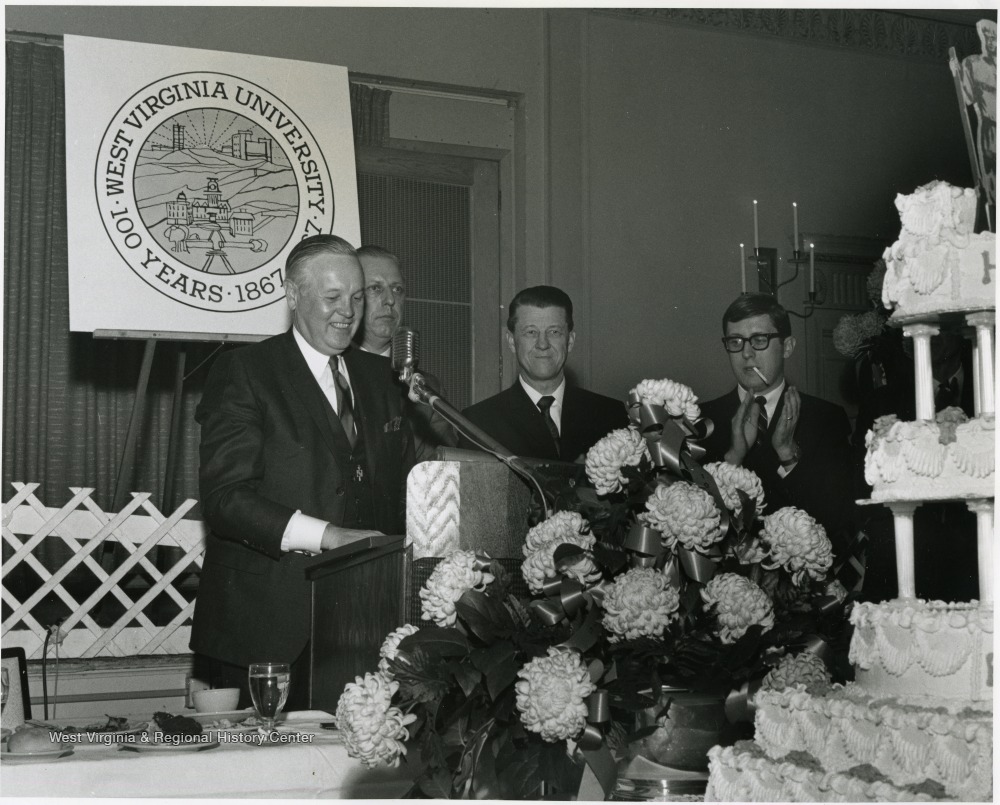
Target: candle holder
(765, 262)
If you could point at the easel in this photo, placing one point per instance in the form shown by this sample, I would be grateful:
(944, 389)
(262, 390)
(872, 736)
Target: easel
(126, 466)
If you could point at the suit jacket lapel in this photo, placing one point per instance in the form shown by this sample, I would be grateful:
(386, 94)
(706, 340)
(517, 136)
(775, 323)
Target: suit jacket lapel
(303, 390)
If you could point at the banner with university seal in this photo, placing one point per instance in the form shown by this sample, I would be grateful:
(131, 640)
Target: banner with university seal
(190, 175)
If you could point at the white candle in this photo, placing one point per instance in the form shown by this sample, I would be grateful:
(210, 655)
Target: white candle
(756, 230)
(812, 268)
(795, 227)
(743, 267)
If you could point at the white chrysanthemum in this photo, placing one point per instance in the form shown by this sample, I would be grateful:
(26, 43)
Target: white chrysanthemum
(640, 604)
(390, 646)
(449, 581)
(685, 513)
(797, 543)
(798, 669)
(563, 526)
(373, 729)
(620, 448)
(678, 399)
(852, 332)
(738, 604)
(729, 478)
(540, 546)
(552, 693)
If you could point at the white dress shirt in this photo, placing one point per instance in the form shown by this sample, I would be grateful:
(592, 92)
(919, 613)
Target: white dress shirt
(556, 410)
(305, 533)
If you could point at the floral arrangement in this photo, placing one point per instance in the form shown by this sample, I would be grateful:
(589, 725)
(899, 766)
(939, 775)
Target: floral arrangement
(657, 572)
(857, 333)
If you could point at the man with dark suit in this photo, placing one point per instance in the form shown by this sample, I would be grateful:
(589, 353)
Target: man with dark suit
(303, 449)
(797, 444)
(540, 415)
(384, 298)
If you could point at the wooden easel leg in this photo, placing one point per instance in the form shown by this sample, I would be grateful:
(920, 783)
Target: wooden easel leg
(126, 467)
(174, 438)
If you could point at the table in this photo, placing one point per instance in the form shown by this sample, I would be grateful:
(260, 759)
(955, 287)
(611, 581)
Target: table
(318, 768)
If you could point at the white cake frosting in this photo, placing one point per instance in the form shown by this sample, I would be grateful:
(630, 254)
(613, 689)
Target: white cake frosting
(939, 264)
(953, 456)
(743, 773)
(909, 744)
(913, 648)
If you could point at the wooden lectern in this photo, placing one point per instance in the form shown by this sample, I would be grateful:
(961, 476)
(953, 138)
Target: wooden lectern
(357, 599)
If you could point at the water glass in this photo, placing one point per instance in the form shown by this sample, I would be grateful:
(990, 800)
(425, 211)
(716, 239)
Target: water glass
(269, 682)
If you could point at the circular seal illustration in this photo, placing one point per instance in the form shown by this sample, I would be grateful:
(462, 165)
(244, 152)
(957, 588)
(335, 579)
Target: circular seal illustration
(205, 182)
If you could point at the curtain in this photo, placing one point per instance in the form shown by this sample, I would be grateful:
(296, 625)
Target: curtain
(67, 397)
(370, 115)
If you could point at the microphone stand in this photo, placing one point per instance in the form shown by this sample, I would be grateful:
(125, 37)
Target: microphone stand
(422, 393)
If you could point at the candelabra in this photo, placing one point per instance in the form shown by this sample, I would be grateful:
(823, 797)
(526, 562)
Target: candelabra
(764, 261)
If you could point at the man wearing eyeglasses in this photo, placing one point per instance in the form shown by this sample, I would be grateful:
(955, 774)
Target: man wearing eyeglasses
(385, 294)
(797, 444)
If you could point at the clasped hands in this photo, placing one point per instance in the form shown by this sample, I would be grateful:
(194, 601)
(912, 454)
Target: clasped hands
(744, 428)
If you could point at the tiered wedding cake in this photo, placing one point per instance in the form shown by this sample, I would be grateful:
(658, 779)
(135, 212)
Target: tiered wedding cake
(917, 724)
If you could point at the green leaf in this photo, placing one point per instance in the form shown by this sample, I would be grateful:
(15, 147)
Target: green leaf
(487, 618)
(467, 678)
(498, 665)
(436, 784)
(436, 640)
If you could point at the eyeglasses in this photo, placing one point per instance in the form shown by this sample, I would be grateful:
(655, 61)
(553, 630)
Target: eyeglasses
(759, 341)
(377, 289)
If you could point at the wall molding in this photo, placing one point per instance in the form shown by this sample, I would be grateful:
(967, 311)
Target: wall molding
(878, 32)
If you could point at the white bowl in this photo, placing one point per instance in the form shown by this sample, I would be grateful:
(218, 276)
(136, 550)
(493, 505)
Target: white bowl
(216, 700)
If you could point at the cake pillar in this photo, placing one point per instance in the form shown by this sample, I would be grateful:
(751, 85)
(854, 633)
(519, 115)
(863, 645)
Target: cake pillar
(922, 373)
(985, 324)
(902, 515)
(984, 530)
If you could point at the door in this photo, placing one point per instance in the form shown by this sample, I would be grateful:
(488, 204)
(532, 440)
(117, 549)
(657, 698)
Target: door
(440, 215)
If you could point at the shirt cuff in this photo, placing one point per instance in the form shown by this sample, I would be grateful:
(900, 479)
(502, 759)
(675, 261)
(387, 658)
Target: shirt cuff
(303, 533)
(783, 473)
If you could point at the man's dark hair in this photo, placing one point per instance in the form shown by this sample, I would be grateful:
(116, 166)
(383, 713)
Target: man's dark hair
(540, 296)
(377, 251)
(311, 246)
(749, 305)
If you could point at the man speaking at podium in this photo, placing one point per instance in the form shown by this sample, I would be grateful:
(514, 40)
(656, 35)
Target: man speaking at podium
(303, 449)
(540, 416)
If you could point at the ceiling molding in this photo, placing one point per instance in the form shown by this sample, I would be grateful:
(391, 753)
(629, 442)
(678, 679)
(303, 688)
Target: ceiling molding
(880, 32)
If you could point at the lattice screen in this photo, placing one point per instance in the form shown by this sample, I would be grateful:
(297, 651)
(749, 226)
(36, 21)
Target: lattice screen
(427, 225)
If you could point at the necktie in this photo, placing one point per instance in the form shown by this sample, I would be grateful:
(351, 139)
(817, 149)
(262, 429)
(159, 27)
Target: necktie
(947, 394)
(345, 405)
(544, 404)
(761, 419)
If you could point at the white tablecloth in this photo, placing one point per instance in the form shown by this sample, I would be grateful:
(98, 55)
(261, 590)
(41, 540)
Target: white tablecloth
(319, 768)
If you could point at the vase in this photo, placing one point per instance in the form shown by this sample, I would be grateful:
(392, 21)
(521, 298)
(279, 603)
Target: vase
(671, 764)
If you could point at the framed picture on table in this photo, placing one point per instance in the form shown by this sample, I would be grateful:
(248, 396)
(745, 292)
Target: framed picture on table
(17, 702)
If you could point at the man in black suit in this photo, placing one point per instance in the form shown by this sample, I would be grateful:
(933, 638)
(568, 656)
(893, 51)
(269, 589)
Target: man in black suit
(303, 449)
(385, 294)
(540, 415)
(797, 444)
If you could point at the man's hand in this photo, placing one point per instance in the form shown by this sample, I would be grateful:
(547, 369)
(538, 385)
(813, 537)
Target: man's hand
(743, 428)
(783, 438)
(335, 536)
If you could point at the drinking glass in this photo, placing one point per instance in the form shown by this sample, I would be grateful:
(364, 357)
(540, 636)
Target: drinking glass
(269, 683)
(4, 687)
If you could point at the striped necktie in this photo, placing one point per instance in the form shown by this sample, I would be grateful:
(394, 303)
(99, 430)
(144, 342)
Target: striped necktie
(345, 403)
(544, 404)
(761, 419)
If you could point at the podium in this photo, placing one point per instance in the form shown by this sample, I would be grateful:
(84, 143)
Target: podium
(357, 599)
(362, 591)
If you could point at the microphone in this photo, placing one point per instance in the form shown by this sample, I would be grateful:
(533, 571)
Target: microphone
(405, 354)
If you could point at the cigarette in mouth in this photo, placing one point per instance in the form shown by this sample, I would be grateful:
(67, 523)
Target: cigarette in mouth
(760, 374)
